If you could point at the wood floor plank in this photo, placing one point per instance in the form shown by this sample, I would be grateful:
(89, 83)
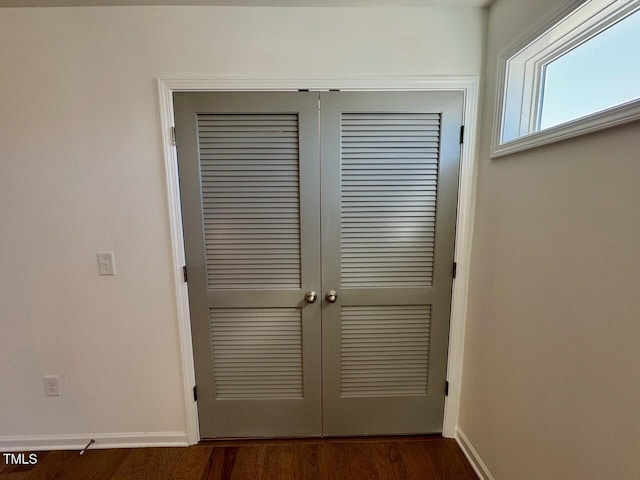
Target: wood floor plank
(94, 465)
(17, 472)
(53, 465)
(193, 464)
(8, 468)
(418, 463)
(292, 462)
(449, 460)
(280, 462)
(463, 463)
(150, 464)
(221, 463)
(347, 461)
(327, 461)
(308, 456)
(229, 462)
(249, 463)
(388, 461)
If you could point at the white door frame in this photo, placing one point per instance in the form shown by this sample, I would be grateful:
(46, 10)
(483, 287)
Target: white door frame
(468, 85)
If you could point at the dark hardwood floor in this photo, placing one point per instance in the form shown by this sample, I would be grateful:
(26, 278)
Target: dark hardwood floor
(389, 458)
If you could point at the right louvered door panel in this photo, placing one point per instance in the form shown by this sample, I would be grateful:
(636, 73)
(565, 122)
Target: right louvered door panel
(389, 186)
(389, 178)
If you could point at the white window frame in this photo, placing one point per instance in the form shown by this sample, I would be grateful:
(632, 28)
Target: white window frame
(520, 74)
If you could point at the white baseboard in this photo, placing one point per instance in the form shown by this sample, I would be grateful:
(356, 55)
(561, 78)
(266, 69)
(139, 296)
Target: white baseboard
(472, 455)
(102, 440)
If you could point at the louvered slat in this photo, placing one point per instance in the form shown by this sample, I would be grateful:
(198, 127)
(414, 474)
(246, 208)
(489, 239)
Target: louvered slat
(250, 198)
(384, 350)
(389, 177)
(257, 352)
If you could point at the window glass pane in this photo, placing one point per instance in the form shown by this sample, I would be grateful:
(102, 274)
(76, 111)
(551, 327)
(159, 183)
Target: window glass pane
(601, 73)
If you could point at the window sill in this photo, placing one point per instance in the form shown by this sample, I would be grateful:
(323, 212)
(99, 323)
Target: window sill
(611, 117)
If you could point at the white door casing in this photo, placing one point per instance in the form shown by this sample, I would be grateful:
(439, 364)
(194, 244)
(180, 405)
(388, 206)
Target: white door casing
(468, 85)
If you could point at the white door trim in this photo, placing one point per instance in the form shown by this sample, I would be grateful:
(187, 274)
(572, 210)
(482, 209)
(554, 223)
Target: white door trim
(468, 85)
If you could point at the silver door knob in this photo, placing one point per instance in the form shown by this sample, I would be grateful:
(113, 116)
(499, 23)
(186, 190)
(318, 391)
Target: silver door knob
(331, 296)
(310, 296)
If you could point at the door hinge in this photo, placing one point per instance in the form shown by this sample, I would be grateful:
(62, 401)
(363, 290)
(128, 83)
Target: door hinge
(173, 136)
(184, 273)
(195, 393)
(461, 134)
(446, 388)
(454, 270)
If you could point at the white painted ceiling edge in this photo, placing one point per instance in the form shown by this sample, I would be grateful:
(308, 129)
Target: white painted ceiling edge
(249, 3)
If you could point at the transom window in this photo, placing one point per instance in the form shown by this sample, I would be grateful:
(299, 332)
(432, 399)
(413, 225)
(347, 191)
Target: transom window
(578, 73)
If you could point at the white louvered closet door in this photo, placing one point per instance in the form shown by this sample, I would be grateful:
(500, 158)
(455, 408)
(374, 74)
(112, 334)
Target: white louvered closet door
(389, 190)
(249, 181)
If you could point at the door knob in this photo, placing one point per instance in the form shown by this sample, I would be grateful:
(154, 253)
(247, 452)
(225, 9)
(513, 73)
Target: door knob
(331, 296)
(310, 296)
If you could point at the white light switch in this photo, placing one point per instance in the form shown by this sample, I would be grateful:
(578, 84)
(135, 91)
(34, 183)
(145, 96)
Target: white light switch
(106, 263)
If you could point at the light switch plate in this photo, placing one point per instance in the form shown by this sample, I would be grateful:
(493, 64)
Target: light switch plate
(106, 263)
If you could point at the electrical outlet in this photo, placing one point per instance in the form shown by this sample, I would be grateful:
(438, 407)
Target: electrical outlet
(51, 388)
(106, 263)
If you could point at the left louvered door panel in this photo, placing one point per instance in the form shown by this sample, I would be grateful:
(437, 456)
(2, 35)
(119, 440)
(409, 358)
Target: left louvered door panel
(250, 200)
(249, 168)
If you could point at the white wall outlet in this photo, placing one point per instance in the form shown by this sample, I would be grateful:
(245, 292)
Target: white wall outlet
(51, 388)
(106, 263)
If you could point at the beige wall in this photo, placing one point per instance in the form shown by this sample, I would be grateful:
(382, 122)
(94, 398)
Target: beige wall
(82, 172)
(551, 388)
